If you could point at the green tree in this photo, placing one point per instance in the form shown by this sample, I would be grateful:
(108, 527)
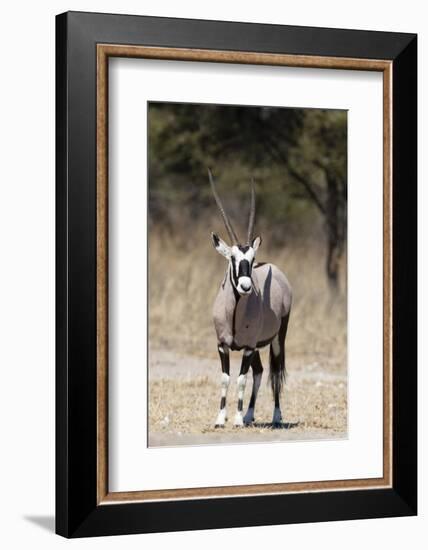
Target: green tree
(317, 162)
(307, 145)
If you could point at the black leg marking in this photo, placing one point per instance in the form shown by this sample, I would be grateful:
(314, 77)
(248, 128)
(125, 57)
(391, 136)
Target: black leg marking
(245, 365)
(223, 351)
(246, 360)
(257, 367)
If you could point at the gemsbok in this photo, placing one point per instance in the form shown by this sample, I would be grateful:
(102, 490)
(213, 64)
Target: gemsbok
(251, 311)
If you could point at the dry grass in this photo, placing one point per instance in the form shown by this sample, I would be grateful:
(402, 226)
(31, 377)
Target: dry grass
(184, 275)
(185, 401)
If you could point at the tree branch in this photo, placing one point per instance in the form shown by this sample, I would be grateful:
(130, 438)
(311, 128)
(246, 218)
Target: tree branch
(305, 184)
(309, 189)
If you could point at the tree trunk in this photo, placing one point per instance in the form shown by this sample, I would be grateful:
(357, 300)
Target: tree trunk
(332, 265)
(335, 233)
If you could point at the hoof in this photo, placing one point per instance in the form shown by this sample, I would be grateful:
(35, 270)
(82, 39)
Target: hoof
(221, 419)
(276, 425)
(277, 418)
(238, 422)
(249, 417)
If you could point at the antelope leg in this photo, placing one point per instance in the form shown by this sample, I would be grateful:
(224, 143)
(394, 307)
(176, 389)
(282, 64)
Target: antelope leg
(223, 351)
(257, 368)
(241, 382)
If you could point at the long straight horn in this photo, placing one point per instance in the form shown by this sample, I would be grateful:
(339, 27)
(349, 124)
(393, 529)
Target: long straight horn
(252, 214)
(232, 234)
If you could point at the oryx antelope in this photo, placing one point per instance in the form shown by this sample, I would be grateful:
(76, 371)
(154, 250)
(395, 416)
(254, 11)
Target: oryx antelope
(251, 311)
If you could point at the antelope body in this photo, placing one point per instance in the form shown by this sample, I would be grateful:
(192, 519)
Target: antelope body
(251, 311)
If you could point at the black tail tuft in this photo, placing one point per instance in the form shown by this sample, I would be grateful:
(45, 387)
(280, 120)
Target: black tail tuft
(277, 372)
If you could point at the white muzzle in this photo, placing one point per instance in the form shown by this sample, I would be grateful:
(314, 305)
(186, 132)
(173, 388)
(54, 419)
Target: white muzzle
(244, 285)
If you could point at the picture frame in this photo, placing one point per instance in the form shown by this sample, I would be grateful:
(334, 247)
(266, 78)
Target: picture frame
(84, 44)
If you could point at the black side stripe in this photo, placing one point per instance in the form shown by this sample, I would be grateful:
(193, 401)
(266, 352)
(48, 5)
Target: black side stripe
(237, 296)
(261, 344)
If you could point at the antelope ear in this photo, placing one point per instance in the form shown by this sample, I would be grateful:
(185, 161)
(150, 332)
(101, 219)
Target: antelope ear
(256, 243)
(220, 246)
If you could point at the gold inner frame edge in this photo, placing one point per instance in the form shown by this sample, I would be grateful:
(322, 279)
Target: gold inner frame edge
(104, 51)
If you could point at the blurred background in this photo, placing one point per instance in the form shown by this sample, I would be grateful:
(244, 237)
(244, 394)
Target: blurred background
(298, 159)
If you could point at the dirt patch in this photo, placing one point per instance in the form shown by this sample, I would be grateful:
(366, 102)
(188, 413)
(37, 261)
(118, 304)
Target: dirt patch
(184, 396)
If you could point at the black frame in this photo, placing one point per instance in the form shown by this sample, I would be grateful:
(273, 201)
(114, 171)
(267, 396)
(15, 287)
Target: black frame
(77, 513)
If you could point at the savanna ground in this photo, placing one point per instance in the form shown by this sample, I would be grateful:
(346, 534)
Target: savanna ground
(184, 370)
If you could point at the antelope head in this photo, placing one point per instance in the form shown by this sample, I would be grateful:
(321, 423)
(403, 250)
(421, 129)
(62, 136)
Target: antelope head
(240, 256)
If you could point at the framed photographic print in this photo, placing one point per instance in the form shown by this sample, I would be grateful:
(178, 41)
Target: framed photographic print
(236, 274)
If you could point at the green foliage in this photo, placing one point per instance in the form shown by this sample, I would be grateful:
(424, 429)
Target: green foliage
(297, 157)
